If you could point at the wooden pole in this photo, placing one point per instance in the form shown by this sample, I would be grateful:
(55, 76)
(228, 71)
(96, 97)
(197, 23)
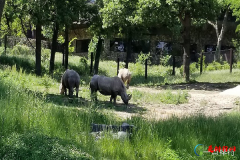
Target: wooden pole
(5, 44)
(146, 69)
(63, 55)
(117, 65)
(201, 62)
(91, 64)
(173, 72)
(231, 59)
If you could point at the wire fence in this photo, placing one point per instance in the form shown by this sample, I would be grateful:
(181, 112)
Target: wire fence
(211, 56)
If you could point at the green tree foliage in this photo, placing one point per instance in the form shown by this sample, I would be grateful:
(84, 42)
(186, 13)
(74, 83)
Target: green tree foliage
(120, 15)
(42, 15)
(171, 12)
(2, 4)
(235, 6)
(221, 6)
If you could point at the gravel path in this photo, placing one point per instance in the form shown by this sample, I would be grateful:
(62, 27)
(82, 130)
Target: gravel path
(211, 101)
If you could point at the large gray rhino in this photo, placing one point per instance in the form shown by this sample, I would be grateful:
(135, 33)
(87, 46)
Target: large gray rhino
(70, 80)
(109, 86)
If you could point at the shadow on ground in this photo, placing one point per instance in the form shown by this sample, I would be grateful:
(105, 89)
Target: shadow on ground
(85, 103)
(201, 86)
(120, 107)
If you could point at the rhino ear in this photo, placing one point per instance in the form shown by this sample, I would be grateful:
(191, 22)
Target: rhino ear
(129, 96)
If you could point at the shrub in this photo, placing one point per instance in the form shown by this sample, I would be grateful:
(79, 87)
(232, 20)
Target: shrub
(138, 69)
(225, 65)
(167, 71)
(214, 66)
(203, 64)
(83, 65)
(193, 67)
(140, 61)
(22, 50)
(236, 65)
(143, 57)
(164, 60)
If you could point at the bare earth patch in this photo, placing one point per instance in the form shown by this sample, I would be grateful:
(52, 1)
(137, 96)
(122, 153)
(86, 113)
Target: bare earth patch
(212, 101)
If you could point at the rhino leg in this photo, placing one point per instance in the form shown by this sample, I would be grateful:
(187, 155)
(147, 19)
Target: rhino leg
(70, 92)
(111, 99)
(77, 89)
(128, 82)
(94, 94)
(65, 91)
(114, 98)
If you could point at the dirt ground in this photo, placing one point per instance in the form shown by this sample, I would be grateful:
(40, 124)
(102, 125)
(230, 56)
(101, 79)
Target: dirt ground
(205, 98)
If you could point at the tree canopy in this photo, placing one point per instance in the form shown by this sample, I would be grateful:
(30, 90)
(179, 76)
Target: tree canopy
(127, 18)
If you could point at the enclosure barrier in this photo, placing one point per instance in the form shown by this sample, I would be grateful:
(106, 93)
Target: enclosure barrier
(228, 55)
(229, 60)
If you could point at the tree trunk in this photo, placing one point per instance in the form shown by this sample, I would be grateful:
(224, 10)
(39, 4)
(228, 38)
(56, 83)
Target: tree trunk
(129, 48)
(218, 50)
(38, 49)
(219, 35)
(2, 3)
(186, 44)
(54, 47)
(66, 48)
(63, 51)
(98, 53)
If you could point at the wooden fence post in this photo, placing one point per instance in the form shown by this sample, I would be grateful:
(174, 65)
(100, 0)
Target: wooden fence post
(146, 69)
(173, 72)
(117, 65)
(231, 59)
(63, 54)
(5, 44)
(91, 64)
(201, 62)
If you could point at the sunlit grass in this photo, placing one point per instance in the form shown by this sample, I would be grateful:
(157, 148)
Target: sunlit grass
(37, 123)
(219, 76)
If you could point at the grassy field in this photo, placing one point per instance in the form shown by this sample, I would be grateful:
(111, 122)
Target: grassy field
(38, 123)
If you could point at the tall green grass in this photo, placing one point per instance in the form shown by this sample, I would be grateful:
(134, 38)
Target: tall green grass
(37, 123)
(32, 127)
(167, 97)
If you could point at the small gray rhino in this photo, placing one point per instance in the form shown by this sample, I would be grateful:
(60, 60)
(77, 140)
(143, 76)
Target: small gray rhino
(70, 80)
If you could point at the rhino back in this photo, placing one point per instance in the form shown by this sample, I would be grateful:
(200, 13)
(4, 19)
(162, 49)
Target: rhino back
(105, 85)
(71, 79)
(118, 85)
(110, 85)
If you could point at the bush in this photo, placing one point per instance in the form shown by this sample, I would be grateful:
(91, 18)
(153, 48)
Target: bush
(203, 64)
(225, 65)
(214, 66)
(138, 69)
(140, 61)
(45, 58)
(167, 71)
(165, 60)
(236, 65)
(143, 57)
(194, 67)
(83, 65)
(22, 50)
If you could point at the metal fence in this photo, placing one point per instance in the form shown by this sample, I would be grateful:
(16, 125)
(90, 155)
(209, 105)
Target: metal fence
(211, 56)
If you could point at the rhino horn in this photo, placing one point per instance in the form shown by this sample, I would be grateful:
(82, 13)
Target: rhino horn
(129, 96)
